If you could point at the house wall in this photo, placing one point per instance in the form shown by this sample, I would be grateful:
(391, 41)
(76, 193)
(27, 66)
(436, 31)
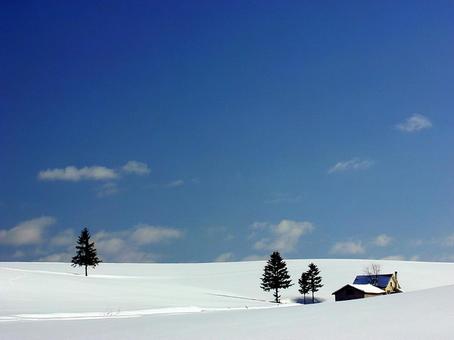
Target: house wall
(371, 295)
(348, 293)
(393, 285)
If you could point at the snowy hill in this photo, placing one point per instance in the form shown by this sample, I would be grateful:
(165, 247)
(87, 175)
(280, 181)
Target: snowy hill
(217, 301)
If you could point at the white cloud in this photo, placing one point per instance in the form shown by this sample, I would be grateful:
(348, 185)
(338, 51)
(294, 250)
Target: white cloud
(115, 247)
(383, 240)
(445, 258)
(92, 173)
(127, 245)
(283, 198)
(394, 258)
(283, 236)
(259, 225)
(73, 174)
(110, 246)
(255, 258)
(353, 164)
(449, 241)
(135, 167)
(147, 234)
(414, 123)
(18, 254)
(219, 233)
(348, 248)
(107, 189)
(57, 257)
(27, 232)
(416, 242)
(134, 256)
(224, 257)
(176, 183)
(65, 238)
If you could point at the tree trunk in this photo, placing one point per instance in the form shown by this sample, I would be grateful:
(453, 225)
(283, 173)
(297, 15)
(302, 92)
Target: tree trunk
(276, 296)
(312, 297)
(86, 270)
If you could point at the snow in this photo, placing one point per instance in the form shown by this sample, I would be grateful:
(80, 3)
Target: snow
(218, 301)
(367, 288)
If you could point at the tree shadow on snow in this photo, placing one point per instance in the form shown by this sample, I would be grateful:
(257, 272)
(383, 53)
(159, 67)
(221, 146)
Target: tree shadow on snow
(308, 301)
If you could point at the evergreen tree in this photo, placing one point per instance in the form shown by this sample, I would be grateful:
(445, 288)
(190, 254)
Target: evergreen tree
(304, 285)
(315, 280)
(85, 252)
(275, 275)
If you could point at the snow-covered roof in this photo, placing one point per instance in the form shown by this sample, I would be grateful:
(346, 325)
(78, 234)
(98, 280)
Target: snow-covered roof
(366, 288)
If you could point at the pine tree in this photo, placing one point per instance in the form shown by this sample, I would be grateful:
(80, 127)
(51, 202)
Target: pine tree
(85, 252)
(304, 285)
(275, 275)
(315, 280)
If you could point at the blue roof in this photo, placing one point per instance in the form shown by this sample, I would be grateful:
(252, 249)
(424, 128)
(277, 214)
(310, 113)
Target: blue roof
(382, 280)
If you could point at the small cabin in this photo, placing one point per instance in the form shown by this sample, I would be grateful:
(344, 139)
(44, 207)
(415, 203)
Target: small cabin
(368, 286)
(357, 291)
(387, 282)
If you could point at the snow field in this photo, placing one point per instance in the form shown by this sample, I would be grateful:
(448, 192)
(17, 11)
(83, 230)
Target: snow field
(217, 301)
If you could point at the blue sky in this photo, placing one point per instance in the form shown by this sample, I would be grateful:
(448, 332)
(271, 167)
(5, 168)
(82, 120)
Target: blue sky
(202, 131)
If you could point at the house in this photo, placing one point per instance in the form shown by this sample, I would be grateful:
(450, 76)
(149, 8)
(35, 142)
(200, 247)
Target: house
(387, 282)
(357, 291)
(367, 286)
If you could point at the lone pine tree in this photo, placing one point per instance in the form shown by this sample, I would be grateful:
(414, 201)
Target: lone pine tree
(315, 280)
(304, 285)
(85, 252)
(275, 275)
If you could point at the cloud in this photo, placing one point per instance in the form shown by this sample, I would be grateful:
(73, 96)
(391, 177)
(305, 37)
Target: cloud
(353, 164)
(254, 258)
(115, 247)
(107, 189)
(147, 234)
(382, 240)
(348, 248)
(224, 257)
(176, 183)
(283, 236)
(27, 232)
(449, 241)
(259, 225)
(416, 242)
(414, 123)
(110, 245)
(18, 254)
(92, 173)
(73, 174)
(127, 245)
(135, 256)
(64, 238)
(110, 176)
(137, 168)
(445, 258)
(219, 233)
(57, 257)
(394, 258)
